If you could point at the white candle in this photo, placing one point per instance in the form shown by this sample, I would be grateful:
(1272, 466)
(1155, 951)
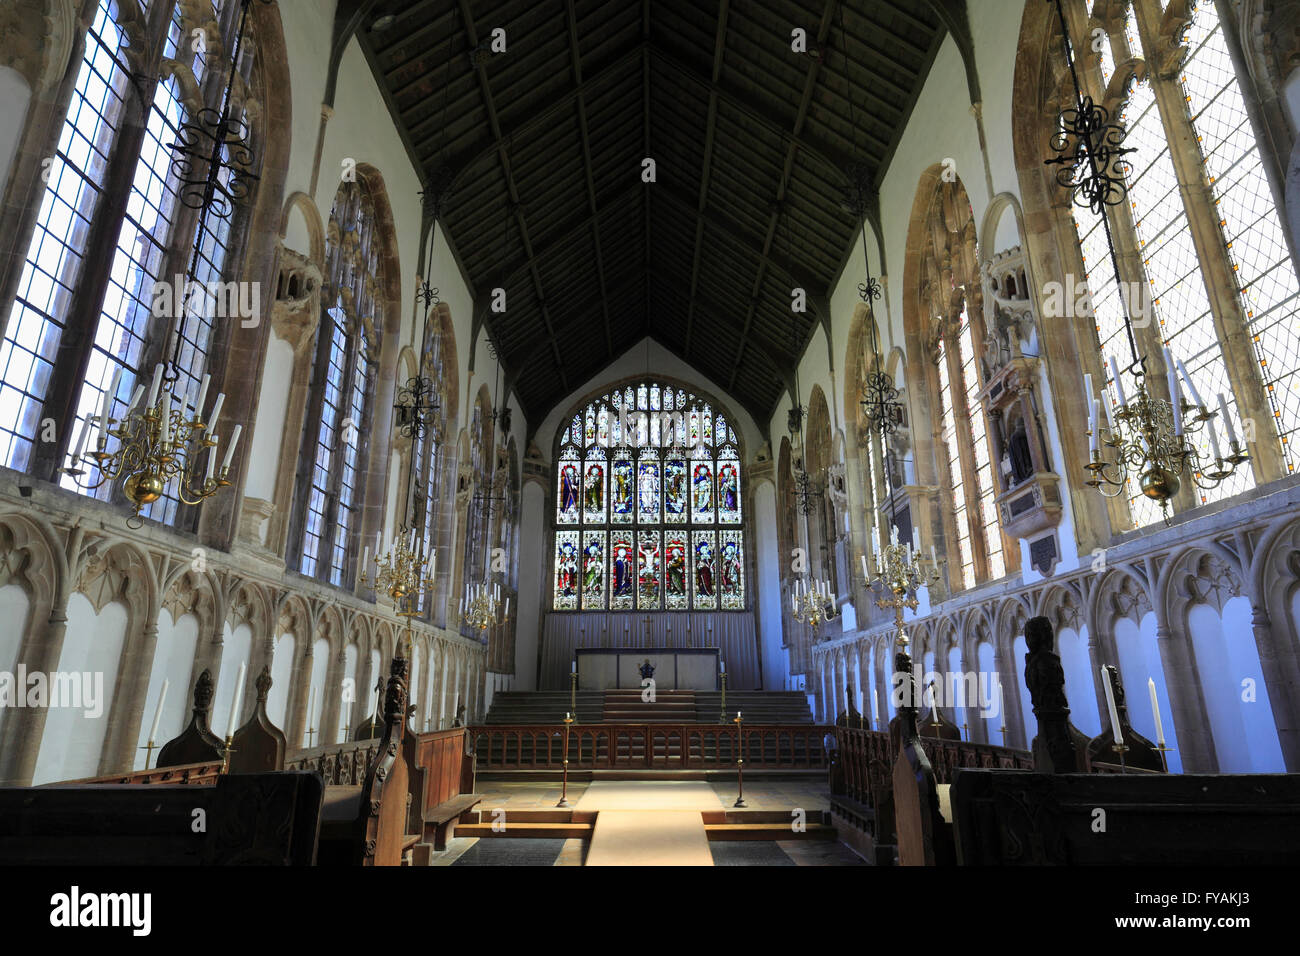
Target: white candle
(162, 696)
(212, 461)
(1094, 433)
(1087, 388)
(365, 559)
(875, 704)
(893, 534)
(433, 566)
(1110, 706)
(723, 665)
(231, 726)
(110, 394)
(203, 394)
(865, 572)
(1191, 386)
(1227, 420)
(1214, 440)
(1119, 385)
(81, 442)
(166, 419)
(230, 449)
(506, 612)
(216, 410)
(875, 540)
(916, 539)
(574, 669)
(1110, 420)
(1155, 712)
(135, 398)
(934, 557)
(934, 713)
(1175, 395)
(153, 387)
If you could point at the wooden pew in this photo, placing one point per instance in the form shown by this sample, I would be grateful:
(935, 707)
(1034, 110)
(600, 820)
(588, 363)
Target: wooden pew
(445, 775)
(152, 823)
(1018, 818)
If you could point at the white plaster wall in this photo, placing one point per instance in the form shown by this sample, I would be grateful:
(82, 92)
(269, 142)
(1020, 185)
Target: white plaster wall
(92, 645)
(173, 661)
(236, 650)
(277, 700)
(268, 430)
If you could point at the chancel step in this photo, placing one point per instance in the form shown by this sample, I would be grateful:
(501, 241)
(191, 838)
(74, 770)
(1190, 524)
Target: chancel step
(624, 706)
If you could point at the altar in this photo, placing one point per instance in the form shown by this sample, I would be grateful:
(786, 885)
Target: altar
(674, 668)
(728, 636)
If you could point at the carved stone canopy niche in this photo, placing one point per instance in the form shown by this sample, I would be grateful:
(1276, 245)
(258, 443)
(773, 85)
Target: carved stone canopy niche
(1029, 497)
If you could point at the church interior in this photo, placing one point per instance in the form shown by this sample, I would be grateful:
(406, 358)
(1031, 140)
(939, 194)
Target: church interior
(649, 432)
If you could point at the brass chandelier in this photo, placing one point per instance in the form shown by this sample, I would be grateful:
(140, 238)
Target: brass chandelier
(813, 605)
(162, 441)
(400, 573)
(1150, 436)
(481, 607)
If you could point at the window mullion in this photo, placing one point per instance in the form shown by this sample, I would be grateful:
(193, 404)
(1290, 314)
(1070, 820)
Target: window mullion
(1214, 261)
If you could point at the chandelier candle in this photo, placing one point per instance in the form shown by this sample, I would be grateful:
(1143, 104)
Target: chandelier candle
(1110, 706)
(1119, 384)
(1227, 420)
(1191, 386)
(1155, 712)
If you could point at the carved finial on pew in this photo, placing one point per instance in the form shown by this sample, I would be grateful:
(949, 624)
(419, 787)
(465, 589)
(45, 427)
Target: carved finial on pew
(1139, 752)
(1054, 748)
(196, 743)
(259, 745)
(459, 720)
(903, 727)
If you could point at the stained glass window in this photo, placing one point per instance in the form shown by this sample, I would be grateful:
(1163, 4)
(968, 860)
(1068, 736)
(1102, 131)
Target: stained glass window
(635, 468)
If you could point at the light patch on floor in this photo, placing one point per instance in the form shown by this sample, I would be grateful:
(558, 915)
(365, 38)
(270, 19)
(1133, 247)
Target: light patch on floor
(649, 838)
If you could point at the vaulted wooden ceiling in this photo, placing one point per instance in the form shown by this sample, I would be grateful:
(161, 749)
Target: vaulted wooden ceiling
(537, 156)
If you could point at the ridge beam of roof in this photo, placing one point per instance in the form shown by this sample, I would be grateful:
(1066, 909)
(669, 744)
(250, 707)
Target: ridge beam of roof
(706, 166)
(576, 59)
(810, 83)
(486, 92)
(647, 269)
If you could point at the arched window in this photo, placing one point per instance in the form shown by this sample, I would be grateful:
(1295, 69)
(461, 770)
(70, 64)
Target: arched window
(648, 505)
(951, 313)
(1200, 237)
(93, 299)
(331, 476)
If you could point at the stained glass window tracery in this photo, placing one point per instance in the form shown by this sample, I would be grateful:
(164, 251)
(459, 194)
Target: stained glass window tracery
(648, 505)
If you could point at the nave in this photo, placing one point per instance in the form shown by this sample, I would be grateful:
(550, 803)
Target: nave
(856, 432)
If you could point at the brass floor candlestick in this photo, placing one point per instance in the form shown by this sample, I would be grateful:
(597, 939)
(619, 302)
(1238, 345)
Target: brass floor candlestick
(740, 761)
(225, 754)
(573, 693)
(722, 711)
(1164, 763)
(564, 789)
(1003, 731)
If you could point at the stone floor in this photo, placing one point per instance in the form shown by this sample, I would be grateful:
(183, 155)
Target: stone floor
(760, 794)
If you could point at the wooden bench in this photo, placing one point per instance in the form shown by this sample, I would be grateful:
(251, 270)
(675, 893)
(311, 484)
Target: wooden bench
(445, 784)
(268, 819)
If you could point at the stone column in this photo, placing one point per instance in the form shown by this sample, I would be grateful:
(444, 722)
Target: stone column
(1280, 676)
(1004, 660)
(129, 695)
(295, 728)
(25, 728)
(1186, 703)
(330, 713)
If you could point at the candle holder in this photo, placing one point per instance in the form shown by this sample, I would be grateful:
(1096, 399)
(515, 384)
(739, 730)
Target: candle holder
(1164, 762)
(965, 731)
(226, 752)
(149, 748)
(812, 607)
(1003, 730)
(311, 733)
(722, 712)
(740, 761)
(573, 694)
(564, 790)
(1121, 750)
(400, 574)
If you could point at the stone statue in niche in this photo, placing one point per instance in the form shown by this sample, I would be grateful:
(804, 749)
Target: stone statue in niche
(1022, 462)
